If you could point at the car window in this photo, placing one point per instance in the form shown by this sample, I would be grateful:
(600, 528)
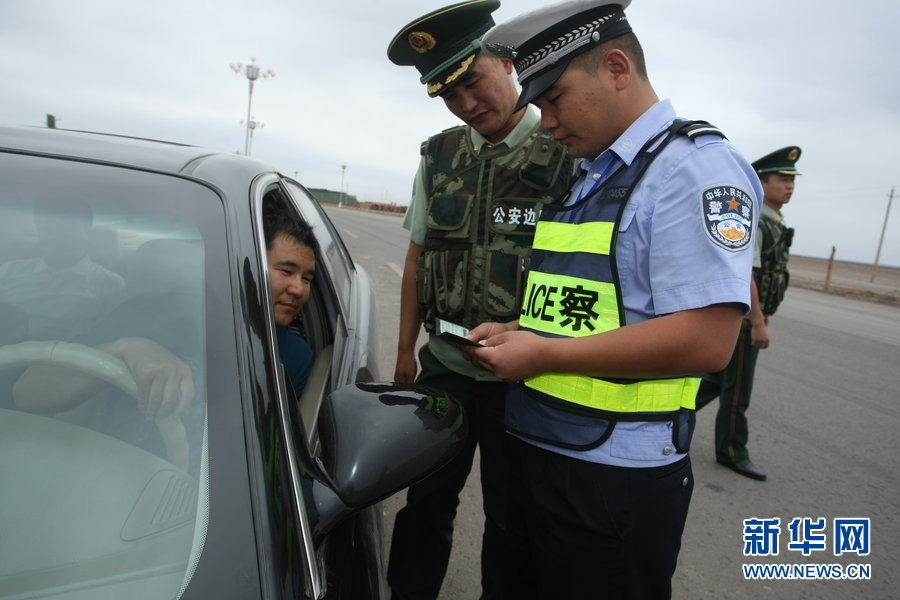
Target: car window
(106, 272)
(335, 257)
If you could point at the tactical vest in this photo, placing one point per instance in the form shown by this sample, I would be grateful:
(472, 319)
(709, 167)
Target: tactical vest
(772, 277)
(481, 215)
(573, 290)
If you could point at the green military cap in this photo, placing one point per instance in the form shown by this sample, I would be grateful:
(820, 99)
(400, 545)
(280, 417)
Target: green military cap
(444, 44)
(781, 161)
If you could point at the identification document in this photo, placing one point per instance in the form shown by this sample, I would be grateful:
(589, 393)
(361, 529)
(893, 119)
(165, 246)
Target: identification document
(453, 333)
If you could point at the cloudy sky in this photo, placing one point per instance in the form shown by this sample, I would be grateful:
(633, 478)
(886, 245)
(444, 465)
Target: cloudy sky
(769, 73)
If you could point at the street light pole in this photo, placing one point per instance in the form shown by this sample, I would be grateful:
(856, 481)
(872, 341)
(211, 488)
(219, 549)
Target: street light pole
(252, 72)
(252, 125)
(881, 240)
(341, 200)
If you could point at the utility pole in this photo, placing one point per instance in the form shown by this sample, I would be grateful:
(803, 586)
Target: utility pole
(829, 267)
(881, 240)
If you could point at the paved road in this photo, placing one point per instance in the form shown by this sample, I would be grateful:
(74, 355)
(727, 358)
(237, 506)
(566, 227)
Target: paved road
(824, 422)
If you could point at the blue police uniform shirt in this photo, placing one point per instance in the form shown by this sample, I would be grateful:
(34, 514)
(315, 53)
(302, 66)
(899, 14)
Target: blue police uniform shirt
(667, 260)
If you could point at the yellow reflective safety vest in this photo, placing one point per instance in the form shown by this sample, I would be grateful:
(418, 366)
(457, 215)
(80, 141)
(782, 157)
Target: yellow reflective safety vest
(573, 290)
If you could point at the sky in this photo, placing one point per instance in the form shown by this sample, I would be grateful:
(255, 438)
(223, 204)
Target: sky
(769, 73)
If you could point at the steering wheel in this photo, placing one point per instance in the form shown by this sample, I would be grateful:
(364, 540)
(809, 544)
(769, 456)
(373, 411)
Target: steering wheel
(103, 366)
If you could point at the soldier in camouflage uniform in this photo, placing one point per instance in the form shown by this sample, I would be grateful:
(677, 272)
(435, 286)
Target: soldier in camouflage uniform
(734, 385)
(476, 199)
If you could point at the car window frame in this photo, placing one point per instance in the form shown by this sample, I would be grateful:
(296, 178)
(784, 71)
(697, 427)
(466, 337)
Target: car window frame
(315, 577)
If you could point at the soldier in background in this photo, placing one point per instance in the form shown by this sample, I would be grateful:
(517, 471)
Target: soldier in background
(476, 198)
(734, 385)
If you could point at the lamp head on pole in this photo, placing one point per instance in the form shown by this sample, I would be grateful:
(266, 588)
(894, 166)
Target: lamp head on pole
(252, 71)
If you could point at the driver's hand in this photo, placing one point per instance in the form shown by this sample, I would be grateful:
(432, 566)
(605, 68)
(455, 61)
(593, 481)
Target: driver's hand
(165, 382)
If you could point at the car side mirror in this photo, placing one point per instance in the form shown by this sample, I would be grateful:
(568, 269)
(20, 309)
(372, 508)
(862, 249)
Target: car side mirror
(378, 438)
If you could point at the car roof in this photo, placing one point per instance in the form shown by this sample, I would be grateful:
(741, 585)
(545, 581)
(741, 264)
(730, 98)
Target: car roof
(142, 153)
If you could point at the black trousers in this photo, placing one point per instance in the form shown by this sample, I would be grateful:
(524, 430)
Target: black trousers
(583, 530)
(423, 529)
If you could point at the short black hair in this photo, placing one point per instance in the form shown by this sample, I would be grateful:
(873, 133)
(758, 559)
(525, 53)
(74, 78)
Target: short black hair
(627, 43)
(279, 219)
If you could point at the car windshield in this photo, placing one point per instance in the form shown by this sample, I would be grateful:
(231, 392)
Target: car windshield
(105, 272)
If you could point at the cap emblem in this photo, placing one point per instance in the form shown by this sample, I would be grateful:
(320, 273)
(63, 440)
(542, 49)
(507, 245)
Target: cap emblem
(794, 155)
(501, 50)
(421, 41)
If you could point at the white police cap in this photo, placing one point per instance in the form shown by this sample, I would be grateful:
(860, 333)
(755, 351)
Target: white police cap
(542, 42)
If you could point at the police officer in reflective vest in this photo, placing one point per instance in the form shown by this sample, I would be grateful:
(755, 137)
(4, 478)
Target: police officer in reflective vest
(734, 385)
(639, 279)
(476, 199)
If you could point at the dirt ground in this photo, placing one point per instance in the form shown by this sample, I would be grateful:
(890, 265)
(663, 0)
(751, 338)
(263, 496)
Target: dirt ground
(847, 279)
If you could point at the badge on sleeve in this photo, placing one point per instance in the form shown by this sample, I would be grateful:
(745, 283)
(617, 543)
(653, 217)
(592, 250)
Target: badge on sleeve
(728, 216)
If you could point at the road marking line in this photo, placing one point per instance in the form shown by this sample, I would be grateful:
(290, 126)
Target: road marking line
(393, 267)
(350, 233)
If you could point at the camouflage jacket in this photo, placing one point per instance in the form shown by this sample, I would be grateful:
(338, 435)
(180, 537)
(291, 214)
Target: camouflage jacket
(481, 213)
(772, 277)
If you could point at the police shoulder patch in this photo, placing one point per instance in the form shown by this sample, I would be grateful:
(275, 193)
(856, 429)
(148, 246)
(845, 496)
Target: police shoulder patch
(727, 216)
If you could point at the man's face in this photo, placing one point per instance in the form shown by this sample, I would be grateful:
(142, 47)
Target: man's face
(485, 97)
(777, 189)
(580, 111)
(291, 269)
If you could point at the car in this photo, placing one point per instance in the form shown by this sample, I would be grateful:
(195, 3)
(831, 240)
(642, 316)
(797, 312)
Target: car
(250, 489)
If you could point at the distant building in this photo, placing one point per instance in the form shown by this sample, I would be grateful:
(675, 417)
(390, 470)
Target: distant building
(331, 197)
(382, 207)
